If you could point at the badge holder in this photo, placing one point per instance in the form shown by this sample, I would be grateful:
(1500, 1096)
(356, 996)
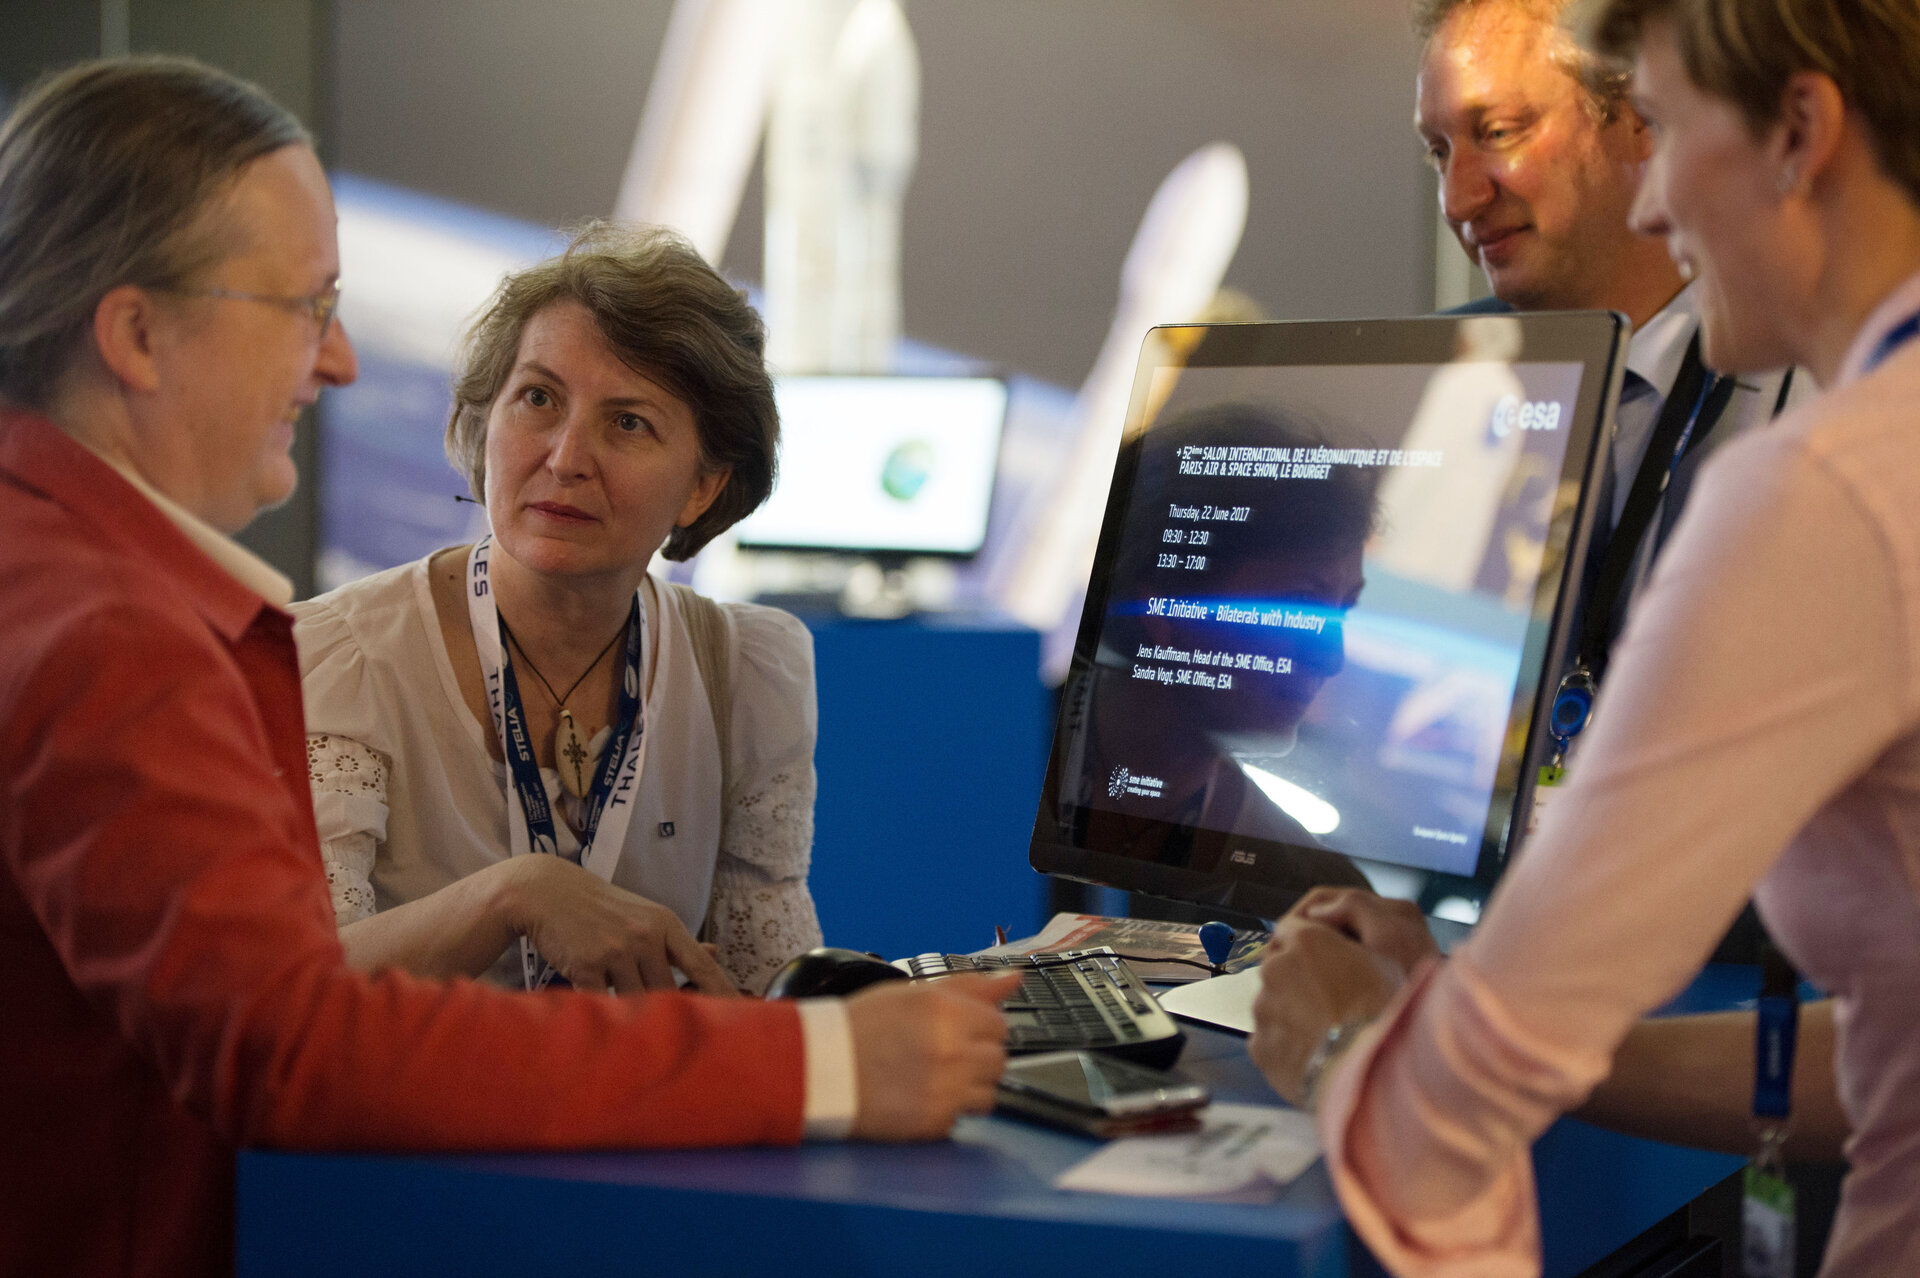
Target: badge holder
(1572, 709)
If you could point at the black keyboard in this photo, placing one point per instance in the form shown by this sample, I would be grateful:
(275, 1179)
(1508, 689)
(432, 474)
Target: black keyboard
(1072, 999)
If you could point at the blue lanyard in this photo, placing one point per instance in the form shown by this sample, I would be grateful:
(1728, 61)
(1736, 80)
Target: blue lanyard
(1901, 334)
(1766, 1209)
(1697, 394)
(1707, 388)
(526, 769)
(1778, 1026)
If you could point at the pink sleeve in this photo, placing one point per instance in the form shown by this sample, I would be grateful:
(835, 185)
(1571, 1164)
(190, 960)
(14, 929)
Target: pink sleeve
(1764, 670)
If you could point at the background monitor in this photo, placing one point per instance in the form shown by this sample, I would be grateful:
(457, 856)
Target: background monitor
(1332, 569)
(883, 465)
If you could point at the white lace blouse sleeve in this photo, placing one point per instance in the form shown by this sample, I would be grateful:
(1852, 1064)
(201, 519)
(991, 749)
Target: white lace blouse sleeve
(762, 913)
(349, 783)
(347, 773)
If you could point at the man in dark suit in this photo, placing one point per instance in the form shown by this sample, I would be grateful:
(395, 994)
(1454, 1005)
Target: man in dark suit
(1538, 154)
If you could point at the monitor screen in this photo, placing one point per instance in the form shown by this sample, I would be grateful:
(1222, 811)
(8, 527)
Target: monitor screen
(883, 465)
(1331, 570)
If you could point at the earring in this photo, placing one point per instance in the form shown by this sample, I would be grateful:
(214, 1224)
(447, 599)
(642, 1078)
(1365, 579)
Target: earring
(1789, 178)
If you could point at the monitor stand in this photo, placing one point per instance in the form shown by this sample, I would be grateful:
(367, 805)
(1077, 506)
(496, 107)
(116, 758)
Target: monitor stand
(878, 590)
(870, 587)
(1448, 933)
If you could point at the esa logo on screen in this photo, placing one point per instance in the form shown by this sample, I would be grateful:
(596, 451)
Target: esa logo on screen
(1512, 413)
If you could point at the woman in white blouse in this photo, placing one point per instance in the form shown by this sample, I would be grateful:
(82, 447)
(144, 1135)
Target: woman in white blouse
(539, 691)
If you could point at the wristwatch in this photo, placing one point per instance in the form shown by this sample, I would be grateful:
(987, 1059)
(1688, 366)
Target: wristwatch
(1337, 1039)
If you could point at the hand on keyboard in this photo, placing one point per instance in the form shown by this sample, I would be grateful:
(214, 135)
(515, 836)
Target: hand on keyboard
(926, 1052)
(1075, 999)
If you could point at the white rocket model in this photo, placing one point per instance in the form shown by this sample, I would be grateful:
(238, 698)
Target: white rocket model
(842, 139)
(1174, 268)
(702, 120)
(1443, 520)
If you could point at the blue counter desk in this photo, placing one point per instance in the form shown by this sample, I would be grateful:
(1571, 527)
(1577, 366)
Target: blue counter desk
(932, 744)
(978, 1206)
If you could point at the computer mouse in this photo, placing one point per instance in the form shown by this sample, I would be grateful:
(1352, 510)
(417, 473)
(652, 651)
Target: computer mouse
(828, 971)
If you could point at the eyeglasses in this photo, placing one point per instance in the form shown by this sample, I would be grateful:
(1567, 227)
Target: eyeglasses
(320, 306)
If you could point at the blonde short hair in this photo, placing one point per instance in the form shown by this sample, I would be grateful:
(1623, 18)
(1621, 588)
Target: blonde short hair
(665, 313)
(1745, 51)
(1605, 79)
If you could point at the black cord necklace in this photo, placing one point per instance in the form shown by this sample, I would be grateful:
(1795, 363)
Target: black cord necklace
(572, 757)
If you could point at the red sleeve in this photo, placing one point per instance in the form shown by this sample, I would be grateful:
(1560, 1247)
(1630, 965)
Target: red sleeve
(175, 873)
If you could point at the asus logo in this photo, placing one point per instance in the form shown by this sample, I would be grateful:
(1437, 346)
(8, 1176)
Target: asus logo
(1240, 856)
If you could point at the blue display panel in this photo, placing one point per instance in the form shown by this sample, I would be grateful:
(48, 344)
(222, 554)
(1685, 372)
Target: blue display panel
(1316, 634)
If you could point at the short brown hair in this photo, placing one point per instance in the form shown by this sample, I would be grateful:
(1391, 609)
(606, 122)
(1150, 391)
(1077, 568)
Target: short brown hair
(1745, 51)
(665, 313)
(105, 170)
(1605, 79)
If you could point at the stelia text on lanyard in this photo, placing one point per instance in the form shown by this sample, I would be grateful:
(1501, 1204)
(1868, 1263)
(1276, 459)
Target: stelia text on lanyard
(614, 781)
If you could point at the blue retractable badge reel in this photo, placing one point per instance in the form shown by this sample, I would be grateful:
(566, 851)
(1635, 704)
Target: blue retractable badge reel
(1572, 708)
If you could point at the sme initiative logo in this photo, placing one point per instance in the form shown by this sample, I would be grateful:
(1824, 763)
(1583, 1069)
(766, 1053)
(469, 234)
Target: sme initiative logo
(1117, 783)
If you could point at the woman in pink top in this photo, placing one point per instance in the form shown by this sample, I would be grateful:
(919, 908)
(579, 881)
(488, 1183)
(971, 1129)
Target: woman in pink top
(1761, 731)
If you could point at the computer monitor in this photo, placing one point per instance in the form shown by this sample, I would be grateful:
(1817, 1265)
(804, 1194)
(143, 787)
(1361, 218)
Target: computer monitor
(1315, 645)
(883, 466)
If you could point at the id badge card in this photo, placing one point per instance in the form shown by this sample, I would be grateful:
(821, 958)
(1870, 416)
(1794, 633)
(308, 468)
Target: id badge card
(1766, 1224)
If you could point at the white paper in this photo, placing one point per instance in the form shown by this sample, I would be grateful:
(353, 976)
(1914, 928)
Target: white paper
(1226, 1001)
(1238, 1147)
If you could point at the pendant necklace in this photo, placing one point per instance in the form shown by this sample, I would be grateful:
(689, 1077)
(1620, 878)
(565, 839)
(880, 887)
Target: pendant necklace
(573, 759)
